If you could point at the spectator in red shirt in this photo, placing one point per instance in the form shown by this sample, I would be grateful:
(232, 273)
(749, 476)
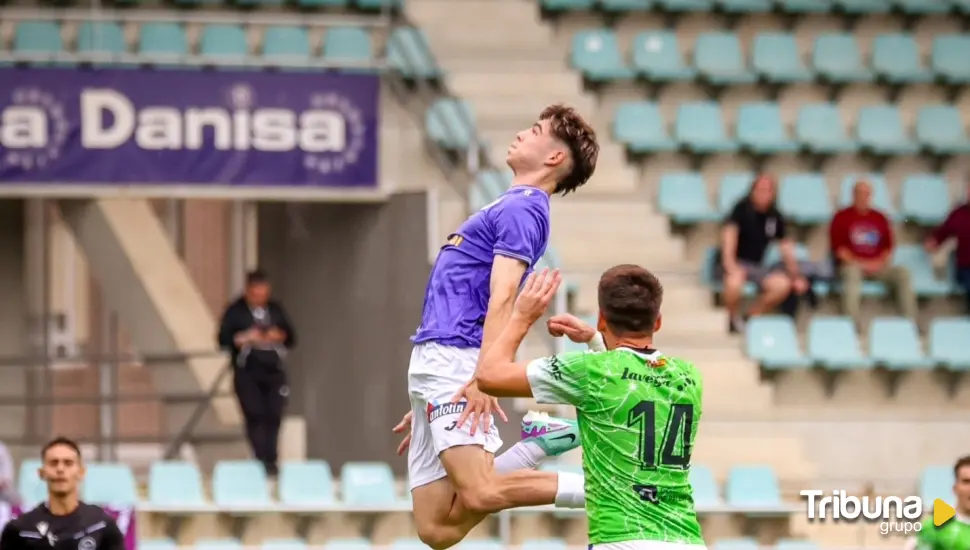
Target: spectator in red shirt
(957, 226)
(862, 245)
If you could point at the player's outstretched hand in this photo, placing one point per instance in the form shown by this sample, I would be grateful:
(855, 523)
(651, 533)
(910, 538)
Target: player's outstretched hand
(404, 424)
(571, 327)
(537, 293)
(479, 408)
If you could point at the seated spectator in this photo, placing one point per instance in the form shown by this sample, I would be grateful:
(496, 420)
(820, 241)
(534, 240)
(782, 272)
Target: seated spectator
(861, 240)
(957, 226)
(753, 224)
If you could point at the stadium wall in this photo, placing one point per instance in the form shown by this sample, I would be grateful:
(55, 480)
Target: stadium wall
(13, 297)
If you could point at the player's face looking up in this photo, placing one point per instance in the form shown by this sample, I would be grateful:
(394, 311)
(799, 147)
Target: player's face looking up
(61, 469)
(629, 303)
(961, 485)
(560, 147)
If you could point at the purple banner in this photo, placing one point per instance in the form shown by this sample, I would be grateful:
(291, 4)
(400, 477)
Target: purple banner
(124, 517)
(188, 127)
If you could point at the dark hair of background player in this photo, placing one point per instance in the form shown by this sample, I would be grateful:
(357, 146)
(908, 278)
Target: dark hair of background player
(961, 462)
(570, 128)
(256, 276)
(58, 441)
(629, 299)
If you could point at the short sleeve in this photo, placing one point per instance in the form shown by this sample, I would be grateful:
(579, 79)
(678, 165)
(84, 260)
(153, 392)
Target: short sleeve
(559, 379)
(737, 214)
(522, 229)
(782, 230)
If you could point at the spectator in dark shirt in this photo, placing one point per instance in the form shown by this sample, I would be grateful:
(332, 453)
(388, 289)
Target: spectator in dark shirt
(957, 226)
(861, 240)
(754, 224)
(258, 333)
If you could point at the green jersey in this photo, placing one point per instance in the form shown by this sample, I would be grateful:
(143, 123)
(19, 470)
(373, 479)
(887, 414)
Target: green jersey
(952, 535)
(638, 414)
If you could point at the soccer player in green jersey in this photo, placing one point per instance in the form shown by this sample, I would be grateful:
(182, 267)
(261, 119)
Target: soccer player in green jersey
(954, 534)
(638, 409)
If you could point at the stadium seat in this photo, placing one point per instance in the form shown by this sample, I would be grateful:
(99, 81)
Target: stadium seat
(948, 339)
(323, 3)
(833, 344)
(225, 43)
(962, 6)
(939, 128)
(806, 6)
(752, 487)
(894, 344)
(408, 544)
(745, 6)
(31, 488)
(936, 482)
(683, 197)
(408, 52)
(367, 483)
(881, 131)
(283, 544)
(348, 45)
(373, 5)
(772, 341)
(42, 38)
(863, 6)
(625, 5)
(820, 130)
(731, 189)
(640, 127)
(761, 130)
(700, 129)
(657, 57)
(218, 544)
(348, 544)
(567, 5)
(110, 484)
(451, 124)
(286, 44)
(489, 184)
(555, 544)
(880, 193)
(596, 54)
(686, 5)
(773, 254)
(480, 545)
(836, 58)
(104, 37)
(776, 59)
(949, 59)
(795, 544)
(157, 544)
(804, 199)
(719, 60)
(163, 42)
(896, 59)
(706, 493)
(175, 484)
(735, 544)
(306, 483)
(925, 199)
(239, 483)
(923, 7)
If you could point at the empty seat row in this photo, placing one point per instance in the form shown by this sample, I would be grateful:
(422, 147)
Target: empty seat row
(804, 198)
(719, 59)
(909, 7)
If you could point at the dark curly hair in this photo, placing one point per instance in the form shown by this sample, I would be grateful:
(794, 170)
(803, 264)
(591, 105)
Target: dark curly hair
(570, 128)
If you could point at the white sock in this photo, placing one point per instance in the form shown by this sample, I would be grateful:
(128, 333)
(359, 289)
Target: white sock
(524, 455)
(571, 492)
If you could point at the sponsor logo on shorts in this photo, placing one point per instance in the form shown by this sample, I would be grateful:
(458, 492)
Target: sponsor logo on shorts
(445, 409)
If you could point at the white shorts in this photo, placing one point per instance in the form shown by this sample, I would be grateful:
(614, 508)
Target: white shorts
(646, 545)
(436, 372)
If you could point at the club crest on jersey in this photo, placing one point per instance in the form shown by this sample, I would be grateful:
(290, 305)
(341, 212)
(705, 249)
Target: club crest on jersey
(445, 409)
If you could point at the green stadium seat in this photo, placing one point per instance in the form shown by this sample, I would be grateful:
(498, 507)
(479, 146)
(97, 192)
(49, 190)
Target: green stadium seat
(948, 339)
(218, 544)
(348, 45)
(735, 544)
(157, 544)
(896, 59)
(894, 344)
(109, 484)
(408, 52)
(567, 5)
(286, 44)
(283, 544)
(836, 58)
(480, 545)
(745, 6)
(175, 484)
(923, 7)
(679, 6)
(719, 60)
(939, 128)
(761, 131)
(239, 483)
(700, 129)
(552, 544)
(623, 6)
(881, 199)
(925, 199)
(731, 189)
(936, 482)
(820, 130)
(323, 3)
(772, 341)
(833, 344)
(864, 6)
(950, 58)
(683, 197)
(307, 483)
(374, 5)
(920, 266)
(596, 54)
(657, 57)
(806, 6)
(450, 123)
(706, 493)
(880, 131)
(224, 43)
(408, 544)
(162, 42)
(105, 37)
(38, 38)
(776, 59)
(773, 254)
(795, 544)
(640, 127)
(804, 199)
(31, 488)
(752, 487)
(367, 484)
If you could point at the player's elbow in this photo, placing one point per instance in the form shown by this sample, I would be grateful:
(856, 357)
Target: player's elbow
(489, 379)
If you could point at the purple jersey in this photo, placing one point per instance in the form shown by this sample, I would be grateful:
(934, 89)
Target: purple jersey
(516, 225)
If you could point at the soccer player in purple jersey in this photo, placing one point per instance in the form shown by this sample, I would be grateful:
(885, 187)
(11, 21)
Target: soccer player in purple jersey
(455, 478)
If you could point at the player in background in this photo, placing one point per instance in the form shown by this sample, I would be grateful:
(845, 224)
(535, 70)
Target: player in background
(954, 534)
(638, 409)
(455, 478)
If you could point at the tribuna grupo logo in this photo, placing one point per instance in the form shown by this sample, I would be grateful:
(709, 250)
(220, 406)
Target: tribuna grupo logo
(893, 514)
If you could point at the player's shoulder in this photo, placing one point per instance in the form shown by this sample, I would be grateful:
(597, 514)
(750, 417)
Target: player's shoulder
(93, 512)
(524, 199)
(687, 367)
(29, 517)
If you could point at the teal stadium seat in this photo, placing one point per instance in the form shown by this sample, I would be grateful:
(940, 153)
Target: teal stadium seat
(745, 6)
(773, 254)
(896, 59)
(864, 6)
(753, 487)
(323, 3)
(39, 38)
(772, 341)
(680, 6)
(657, 57)
(239, 483)
(367, 484)
(480, 545)
(683, 197)
(735, 544)
(450, 123)
(950, 59)
(920, 266)
(307, 483)
(224, 43)
(939, 129)
(283, 544)
(704, 487)
(596, 54)
(408, 52)
(925, 199)
(820, 130)
(775, 59)
(408, 544)
(258, 3)
(719, 60)
(936, 482)
(350, 45)
(544, 544)
(700, 129)
(805, 6)
(761, 131)
(109, 485)
(101, 38)
(640, 127)
(373, 5)
(731, 189)
(286, 44)
(836, 58)
(923, 7)
(881, 131)
(834, 345)
(623, 6)
(948, 342)
(567, 5)
(894, 344)
(157, 544)
(31, 488)
(175, 484)
(881, 200)
(218, 544)
(162, 42)
(804, 199)
(795, 544)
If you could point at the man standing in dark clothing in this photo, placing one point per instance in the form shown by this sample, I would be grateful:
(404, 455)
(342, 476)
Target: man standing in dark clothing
(957, 226)
(63, 522)
(258, 333)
